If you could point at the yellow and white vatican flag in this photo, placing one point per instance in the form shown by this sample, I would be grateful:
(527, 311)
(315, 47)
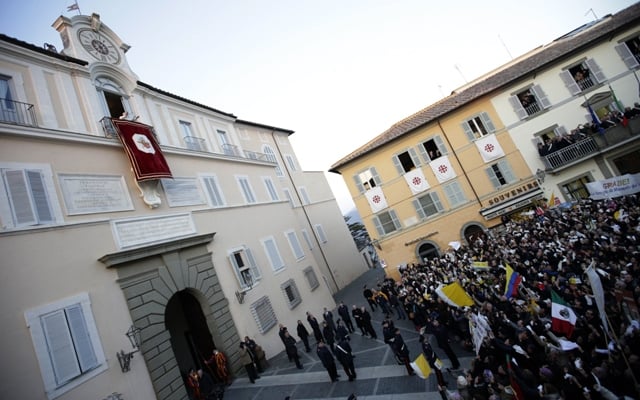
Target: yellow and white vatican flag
(442, 169)
(489, 148)
(376, 198)
(416, 181)
(421, 366)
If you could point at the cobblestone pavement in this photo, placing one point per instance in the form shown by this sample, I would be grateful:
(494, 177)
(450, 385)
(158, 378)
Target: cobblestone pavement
(379, 376)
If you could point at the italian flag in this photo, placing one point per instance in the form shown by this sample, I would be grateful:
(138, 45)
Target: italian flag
(563, 319)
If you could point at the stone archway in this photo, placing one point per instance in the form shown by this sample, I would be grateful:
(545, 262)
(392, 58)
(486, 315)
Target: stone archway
(426, 250)
(150, 277)
(472, 231)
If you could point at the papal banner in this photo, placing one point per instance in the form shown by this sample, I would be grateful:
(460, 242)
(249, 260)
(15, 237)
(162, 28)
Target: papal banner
(489, 148)
(614, 187)
(416, 181)
(143, 151)
(376, 199)
(442, 169)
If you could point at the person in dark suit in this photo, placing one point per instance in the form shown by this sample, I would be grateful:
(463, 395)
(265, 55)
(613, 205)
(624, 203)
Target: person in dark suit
(327, 360)
(313, 321)
(345, 357)
(442, 338)
(401, 351)
(366, 322)
(368, 294)
(303, 334)
(343, 311)
(328, 318)
(357, 316)
(292, 350)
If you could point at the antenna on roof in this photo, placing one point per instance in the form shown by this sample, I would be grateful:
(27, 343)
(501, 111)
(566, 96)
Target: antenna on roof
(595, 17)
(460, 72)
(505, 47)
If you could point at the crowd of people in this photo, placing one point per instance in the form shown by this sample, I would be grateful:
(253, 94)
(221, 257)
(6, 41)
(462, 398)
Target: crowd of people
(523, 355)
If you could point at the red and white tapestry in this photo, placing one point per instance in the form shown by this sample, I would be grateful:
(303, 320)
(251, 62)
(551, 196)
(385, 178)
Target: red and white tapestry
(489, 148)
(376, 198)
(442, 169)
(416, 181)
(143, 151)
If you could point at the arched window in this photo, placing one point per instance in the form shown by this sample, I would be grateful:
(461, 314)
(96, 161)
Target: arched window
(114, 100)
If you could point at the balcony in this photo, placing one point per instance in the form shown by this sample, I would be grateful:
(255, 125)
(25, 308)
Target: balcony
(195, 143)
(15, 112)
(231, 150)
(594, 144)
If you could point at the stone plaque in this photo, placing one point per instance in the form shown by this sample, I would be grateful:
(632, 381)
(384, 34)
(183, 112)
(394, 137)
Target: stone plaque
(182, 192)
(90, 194)
(140, 231)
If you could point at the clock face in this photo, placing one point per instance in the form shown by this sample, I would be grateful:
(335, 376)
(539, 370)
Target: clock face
(99, 46)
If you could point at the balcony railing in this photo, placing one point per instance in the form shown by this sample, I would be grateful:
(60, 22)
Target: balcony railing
(15, 112)
(195, 143)
(532, 108)
(571, 153)
(231, 150)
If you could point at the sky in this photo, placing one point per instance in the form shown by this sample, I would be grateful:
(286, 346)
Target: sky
(337, 72)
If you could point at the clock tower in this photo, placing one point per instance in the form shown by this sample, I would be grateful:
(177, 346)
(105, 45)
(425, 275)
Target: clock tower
(87, 38)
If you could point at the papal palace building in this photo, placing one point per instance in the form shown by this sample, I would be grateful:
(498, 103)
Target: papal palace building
(125, 208)
(503, 144)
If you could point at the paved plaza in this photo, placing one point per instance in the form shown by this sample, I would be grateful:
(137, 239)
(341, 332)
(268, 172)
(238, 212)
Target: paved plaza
(379, 376)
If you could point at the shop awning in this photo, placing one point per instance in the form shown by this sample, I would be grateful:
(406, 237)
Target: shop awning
(513, 204)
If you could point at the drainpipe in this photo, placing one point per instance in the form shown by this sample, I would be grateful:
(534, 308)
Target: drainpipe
(304, 210)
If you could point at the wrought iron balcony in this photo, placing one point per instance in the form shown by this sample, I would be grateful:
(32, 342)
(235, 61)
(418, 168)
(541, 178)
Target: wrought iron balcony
(231, 150)
(15, 112)
(195, 143)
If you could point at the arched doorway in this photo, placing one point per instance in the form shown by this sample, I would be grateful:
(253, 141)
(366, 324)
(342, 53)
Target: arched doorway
(472, 232)
(427, 251)
(190, 338)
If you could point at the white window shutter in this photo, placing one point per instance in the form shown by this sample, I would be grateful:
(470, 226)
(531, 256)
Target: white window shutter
(440, 144)
(423, 153)
(358, 183)
(419, 210)
(467, 131)
(376, 177)
(569, 82)
(560, 130)
(488, 124)
(39, 194)
(398, 164)
(18, 190)
(627, 56)
(378, 225)
(236, 270)
(436, 201)
(414, 157)
(493, 178)
(81, 339)
(506, 170)
(595, 69)
(60, 347)
(517, 107)
(541, 96)
(253, 266)
(394, 218)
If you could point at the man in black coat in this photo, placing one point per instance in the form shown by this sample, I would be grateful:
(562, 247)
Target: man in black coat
(292, 350)
(341, 331)
(281, 332)
(345, 357)
(366, 322)
(343, 311)
(327, 360)
(357, 315)
(442, 338)
(328, 318)
(368, 294)
(329, 336)
(303, 334)
(401, 350)
(313, 321)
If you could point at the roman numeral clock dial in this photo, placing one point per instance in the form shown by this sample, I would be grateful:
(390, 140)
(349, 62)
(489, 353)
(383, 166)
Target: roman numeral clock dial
(99, 46)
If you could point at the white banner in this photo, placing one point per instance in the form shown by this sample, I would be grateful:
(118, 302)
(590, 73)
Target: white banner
(489, 148)
(377, 202)
(416, 181)
(614, 187)
(479, 327)
(598, 293)
(442, 169)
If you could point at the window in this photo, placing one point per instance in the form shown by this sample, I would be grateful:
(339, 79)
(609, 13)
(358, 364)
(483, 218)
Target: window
(432, 149)
(428, 205)
(8, 111)
(287, 194)
(367, 179)
(244, 266)
(478, 126)
(312, 278)
(263, 314)
(192, 142)
(214, 192)
(304, 195)
(307, 239)
(115, 103)
(271, 248)
(577, 188)
(291, 162)
(454, 194)
(386, 222)
(320, 232)
(295, 245)
(245, 188)
(500, 174)
(582, 76)
(271, 189)
(225, 144)
(27, 196)
(291, 294)
(406, 161)
(629, 51)
(529, 101)
(268, 151)
(66, 343)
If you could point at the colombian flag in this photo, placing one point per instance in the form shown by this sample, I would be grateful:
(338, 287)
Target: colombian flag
(513, 281)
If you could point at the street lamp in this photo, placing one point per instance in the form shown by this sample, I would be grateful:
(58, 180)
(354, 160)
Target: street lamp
(135, 337)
